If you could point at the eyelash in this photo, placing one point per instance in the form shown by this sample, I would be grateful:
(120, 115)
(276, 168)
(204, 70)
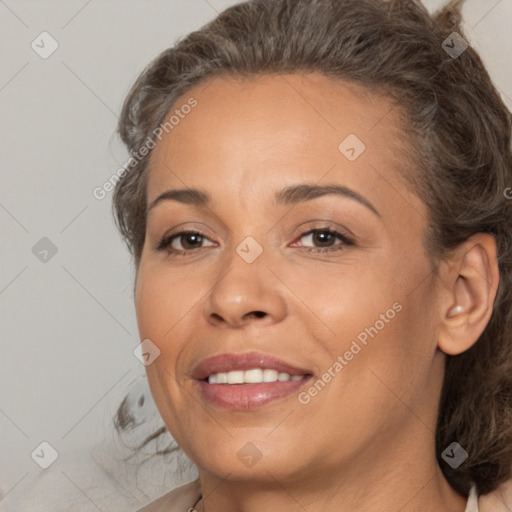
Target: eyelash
(164, 244)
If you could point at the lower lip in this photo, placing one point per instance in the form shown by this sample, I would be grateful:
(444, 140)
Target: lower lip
(248, 396)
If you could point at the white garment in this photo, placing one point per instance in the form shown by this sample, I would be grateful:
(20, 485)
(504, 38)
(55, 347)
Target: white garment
(472, 505)
(183, 499)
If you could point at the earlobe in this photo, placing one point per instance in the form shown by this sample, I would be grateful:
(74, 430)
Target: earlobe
(455, 311)
(470, 284)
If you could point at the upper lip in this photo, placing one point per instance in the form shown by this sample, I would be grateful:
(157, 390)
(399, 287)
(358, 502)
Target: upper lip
(245, 361)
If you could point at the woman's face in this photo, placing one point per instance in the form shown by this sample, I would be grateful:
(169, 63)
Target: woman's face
(328, 286)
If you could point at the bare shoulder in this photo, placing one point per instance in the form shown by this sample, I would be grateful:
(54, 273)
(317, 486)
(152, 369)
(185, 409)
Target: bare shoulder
(500, 500)
(180, 499)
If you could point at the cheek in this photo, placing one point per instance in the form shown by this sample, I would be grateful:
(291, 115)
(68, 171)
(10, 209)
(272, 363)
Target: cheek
(379, 324)
(163, 299)
(348, 301)
(166, 303)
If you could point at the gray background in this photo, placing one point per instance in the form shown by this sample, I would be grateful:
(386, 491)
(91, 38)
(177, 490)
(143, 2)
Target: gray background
(68, 324)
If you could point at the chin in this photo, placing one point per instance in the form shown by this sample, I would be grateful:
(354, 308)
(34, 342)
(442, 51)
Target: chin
(247, 458)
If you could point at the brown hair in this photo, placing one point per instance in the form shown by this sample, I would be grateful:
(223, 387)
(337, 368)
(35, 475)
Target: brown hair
(460, 133)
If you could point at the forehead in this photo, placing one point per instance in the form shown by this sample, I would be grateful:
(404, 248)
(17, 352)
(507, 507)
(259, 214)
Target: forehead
(245, 133)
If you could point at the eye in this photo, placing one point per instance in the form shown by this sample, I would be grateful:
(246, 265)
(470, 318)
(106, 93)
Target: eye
(188, 240)
(326, 239)
(323, 239)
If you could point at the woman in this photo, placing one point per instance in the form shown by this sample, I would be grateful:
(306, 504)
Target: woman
(316, 206)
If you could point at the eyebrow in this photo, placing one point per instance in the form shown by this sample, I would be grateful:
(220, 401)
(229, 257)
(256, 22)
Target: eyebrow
(290, 195)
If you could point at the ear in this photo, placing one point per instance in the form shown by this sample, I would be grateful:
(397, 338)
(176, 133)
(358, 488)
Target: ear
(469, 282)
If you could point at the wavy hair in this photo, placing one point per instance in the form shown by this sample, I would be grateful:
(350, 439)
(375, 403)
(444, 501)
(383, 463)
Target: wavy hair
(459, 133)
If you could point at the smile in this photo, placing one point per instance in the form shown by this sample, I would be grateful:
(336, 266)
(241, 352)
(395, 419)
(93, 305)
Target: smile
(248, 380)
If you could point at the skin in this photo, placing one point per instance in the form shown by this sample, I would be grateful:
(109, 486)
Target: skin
(366, 441)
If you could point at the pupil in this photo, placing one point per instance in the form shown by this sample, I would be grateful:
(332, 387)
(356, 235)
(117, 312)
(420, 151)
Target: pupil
(193, 236)
(323, 234)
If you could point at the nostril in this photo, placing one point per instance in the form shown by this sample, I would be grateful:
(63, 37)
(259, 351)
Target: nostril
(259, 314)
(141, 401)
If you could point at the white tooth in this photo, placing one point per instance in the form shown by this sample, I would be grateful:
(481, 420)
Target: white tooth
(253, 376)
(236, 377)
(269, 375)
(222, 378)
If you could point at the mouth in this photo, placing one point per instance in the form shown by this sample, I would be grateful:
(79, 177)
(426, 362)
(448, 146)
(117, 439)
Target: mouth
(246, 381)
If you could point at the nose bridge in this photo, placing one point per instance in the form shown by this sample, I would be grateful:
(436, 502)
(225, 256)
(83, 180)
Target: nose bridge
(247, 289)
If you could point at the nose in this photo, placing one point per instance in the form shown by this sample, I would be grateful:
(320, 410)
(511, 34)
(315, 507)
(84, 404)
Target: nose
(245, 293)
